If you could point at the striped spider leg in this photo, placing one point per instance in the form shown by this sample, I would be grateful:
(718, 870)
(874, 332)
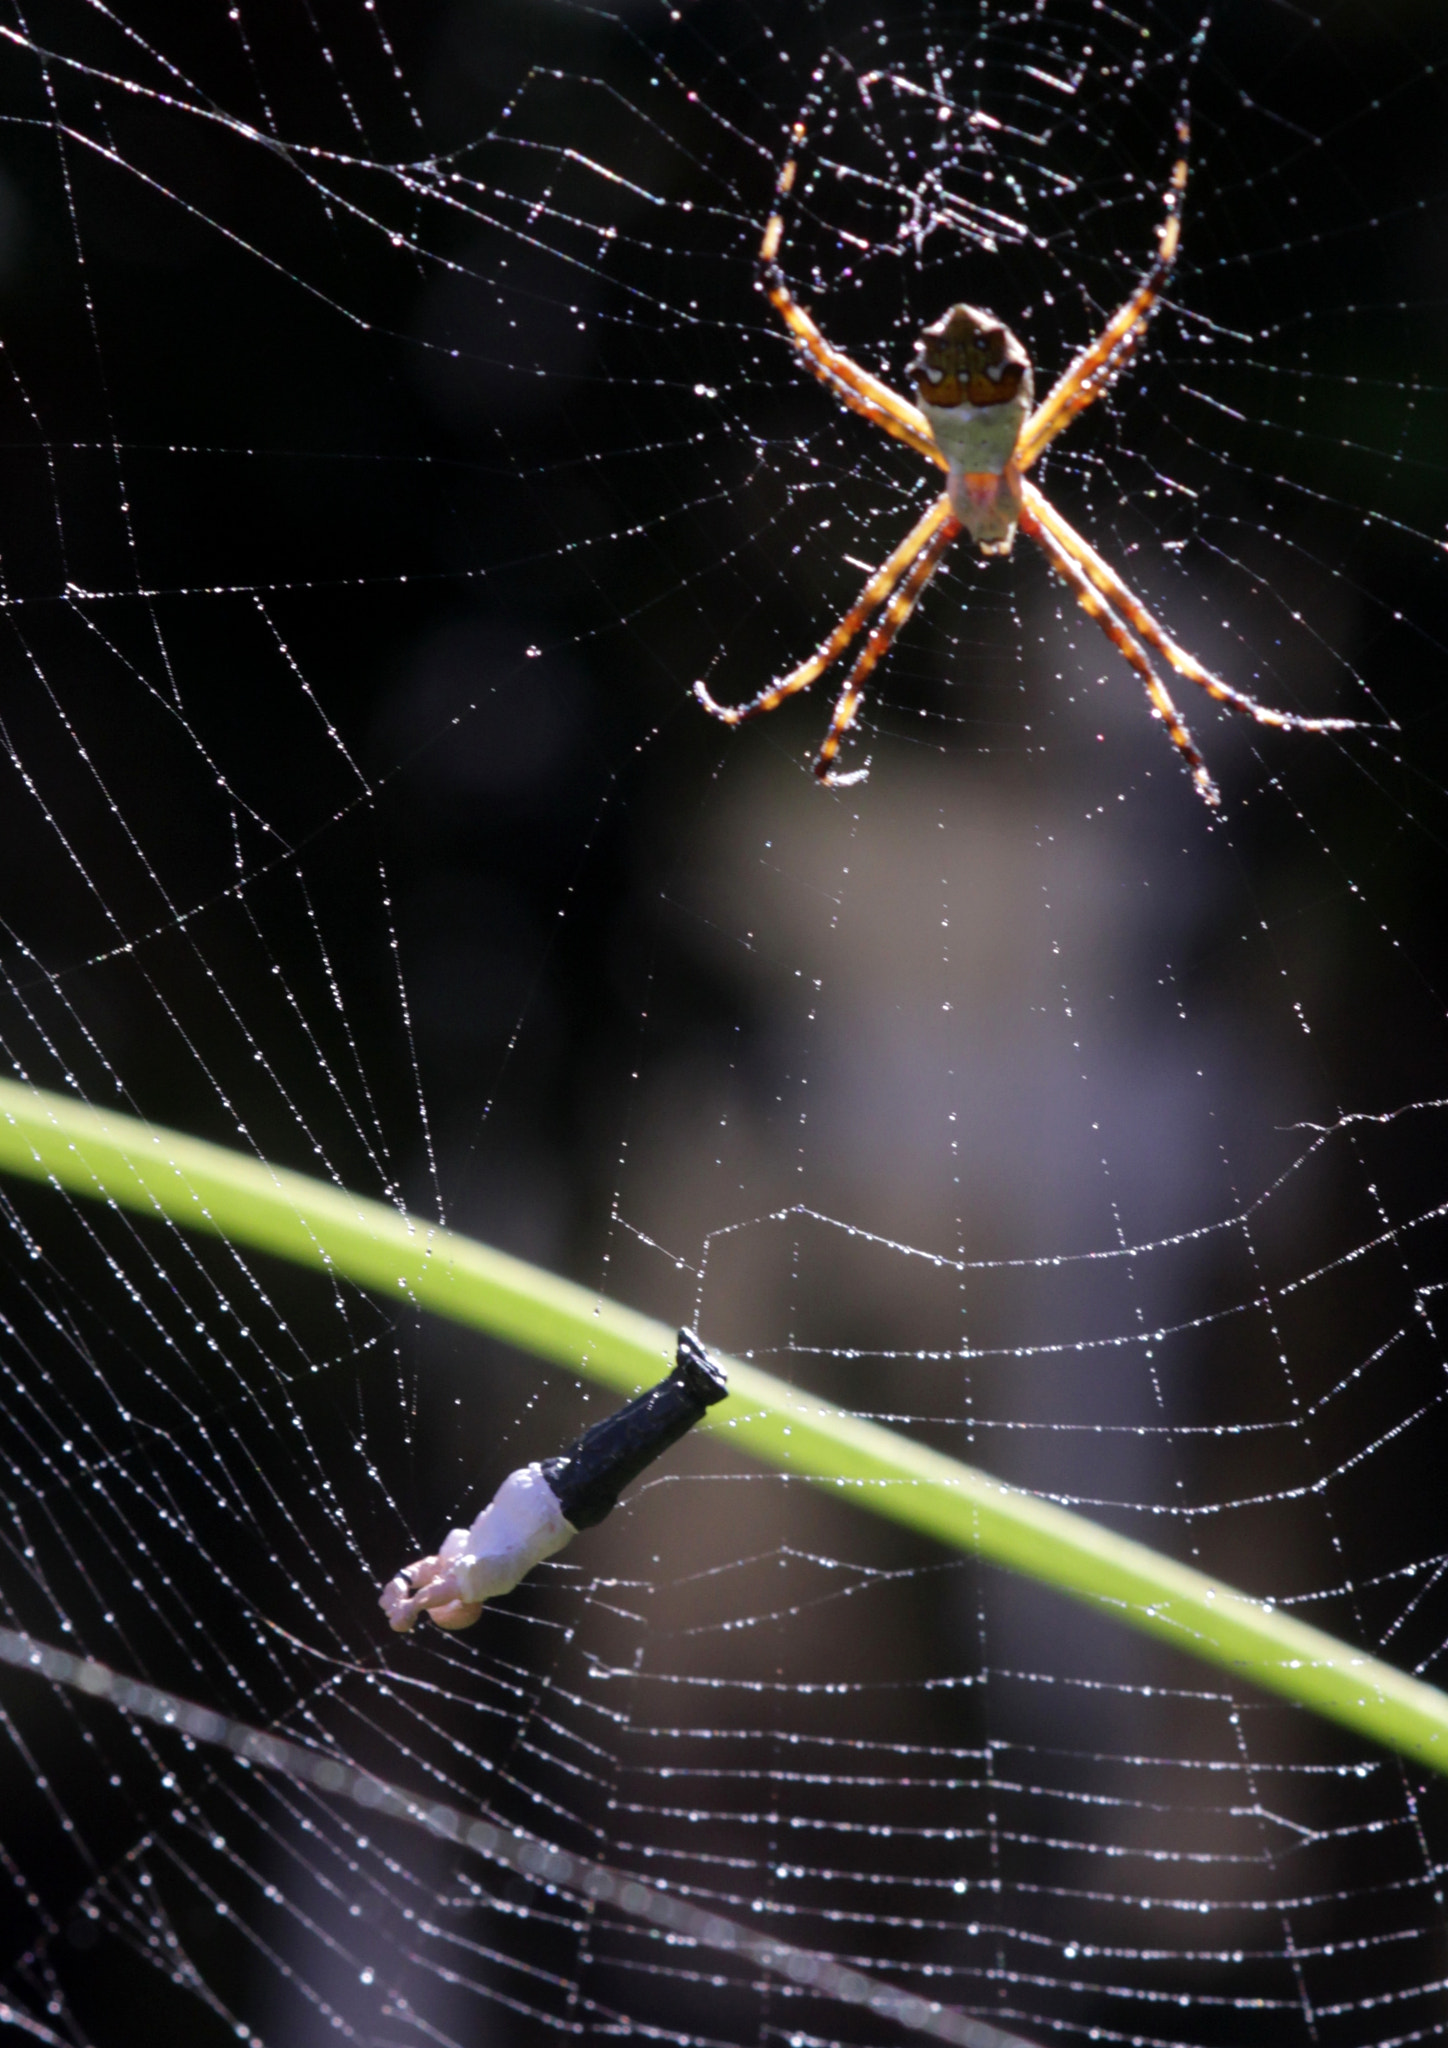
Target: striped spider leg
(975, 420)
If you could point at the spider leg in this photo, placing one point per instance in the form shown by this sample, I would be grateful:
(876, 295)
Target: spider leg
(896, 612)
(1098, 366)
(856, 387)
(1122, 640)
(1131, 608)
(875, 592)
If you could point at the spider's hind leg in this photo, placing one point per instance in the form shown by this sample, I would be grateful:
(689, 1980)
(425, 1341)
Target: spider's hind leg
(1096, 368)
(856, 387)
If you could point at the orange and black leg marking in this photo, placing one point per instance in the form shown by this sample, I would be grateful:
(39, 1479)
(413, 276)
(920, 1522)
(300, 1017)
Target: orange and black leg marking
(1129, 605)
(1129, 648)
(874, 594)
(896, 612)
(1098, 366)
(855, 387)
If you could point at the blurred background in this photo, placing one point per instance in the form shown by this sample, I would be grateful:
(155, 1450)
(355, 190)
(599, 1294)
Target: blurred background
(393, 435)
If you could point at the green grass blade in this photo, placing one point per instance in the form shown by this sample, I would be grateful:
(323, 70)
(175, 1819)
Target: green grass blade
(162, 1173)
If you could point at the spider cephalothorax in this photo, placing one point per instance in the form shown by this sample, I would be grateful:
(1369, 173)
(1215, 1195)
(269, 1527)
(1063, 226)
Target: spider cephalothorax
(975, 420)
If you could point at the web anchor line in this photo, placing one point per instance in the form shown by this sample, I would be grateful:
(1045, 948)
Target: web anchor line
(527, 1854)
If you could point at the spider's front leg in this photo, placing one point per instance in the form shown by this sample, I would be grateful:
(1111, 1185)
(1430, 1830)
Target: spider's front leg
(896, 612)
(874, 594)
(1128, 606)
(1096, 607)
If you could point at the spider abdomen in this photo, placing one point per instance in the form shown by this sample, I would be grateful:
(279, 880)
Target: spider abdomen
(974, 384)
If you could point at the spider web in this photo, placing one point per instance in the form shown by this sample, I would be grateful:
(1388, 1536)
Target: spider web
(393, 435)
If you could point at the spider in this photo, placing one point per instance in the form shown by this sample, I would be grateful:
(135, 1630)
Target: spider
(975, 420)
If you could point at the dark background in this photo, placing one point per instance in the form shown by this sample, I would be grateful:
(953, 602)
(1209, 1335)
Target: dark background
(371, 508)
